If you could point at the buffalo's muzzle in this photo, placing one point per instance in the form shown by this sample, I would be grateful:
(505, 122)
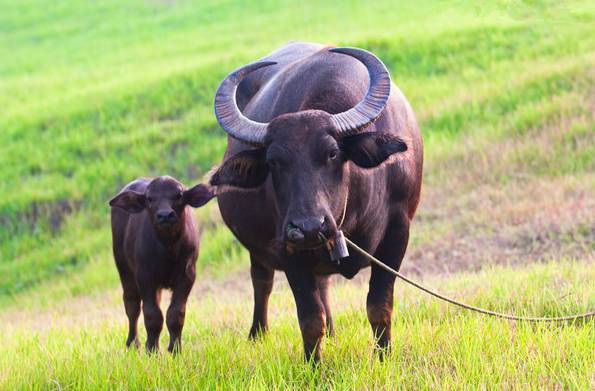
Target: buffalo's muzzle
(166, 217)
(307, 232)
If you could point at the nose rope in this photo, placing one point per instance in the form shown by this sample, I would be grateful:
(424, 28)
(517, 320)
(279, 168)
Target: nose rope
(321, 236)
(440, 296)
(344, 210)
(371, 258)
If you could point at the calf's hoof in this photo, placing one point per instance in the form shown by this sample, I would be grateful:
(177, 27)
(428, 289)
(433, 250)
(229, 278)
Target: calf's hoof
(382, 352)
(330, 330)
(174, 349)
(152, 348)
(132, 342)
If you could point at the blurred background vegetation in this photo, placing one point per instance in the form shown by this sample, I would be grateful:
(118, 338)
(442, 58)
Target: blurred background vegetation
(96, 93)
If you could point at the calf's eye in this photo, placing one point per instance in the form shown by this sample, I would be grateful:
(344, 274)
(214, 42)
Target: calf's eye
(179, 196)
(332, 155)
(150, 199)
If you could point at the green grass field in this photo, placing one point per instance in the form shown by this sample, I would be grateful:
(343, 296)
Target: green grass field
(94, 94)
(434, 346)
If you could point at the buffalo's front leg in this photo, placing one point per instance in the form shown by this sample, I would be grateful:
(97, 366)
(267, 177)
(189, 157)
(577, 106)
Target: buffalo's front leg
(310, 311)
(381, 291)
(176, 313)
(153, 317)
(324, 283)
(379, 306)
(262, 282)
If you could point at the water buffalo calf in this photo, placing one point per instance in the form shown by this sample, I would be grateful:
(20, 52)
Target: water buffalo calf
(155, 244)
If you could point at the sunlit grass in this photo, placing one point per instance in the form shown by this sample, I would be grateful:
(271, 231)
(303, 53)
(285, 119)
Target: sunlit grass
(434, 345)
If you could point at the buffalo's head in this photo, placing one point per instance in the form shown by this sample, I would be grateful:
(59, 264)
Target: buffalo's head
(306, 153)
(165, 201)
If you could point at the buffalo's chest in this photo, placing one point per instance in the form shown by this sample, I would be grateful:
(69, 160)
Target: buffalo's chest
(165, 270)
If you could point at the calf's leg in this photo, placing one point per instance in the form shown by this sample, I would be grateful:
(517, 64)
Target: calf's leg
(262, 282)
(153, 318)
(131, 299)
(176, 313)
(132, 306)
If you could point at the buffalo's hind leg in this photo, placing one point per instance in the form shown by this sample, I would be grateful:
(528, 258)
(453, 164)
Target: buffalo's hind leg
(262, 282)
(382, 283)
(132, 305)
(132, 302)
(324, 283)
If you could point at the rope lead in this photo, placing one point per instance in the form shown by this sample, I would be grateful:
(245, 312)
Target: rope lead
(460, 304)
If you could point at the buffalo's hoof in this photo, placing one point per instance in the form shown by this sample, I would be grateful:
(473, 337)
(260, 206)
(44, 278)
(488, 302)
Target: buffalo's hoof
(256, 333)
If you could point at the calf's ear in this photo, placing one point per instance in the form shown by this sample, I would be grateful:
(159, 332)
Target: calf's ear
(130, 201)
(370, 149)
(247, 169)
(198, 195)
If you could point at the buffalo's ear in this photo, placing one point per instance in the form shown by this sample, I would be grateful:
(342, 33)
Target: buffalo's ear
(198, 195)
(130, 201)
(370, 149)
(247, 169)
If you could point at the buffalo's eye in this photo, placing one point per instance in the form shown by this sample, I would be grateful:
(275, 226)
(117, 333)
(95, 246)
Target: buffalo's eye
(332, 155)
(150, 199)
(179, 196)
(272, 163)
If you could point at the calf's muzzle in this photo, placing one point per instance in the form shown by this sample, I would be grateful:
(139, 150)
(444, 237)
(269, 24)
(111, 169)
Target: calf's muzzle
(166, 217)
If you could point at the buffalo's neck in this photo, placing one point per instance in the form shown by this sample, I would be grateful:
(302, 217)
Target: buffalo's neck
(171, 241)
(366, 200)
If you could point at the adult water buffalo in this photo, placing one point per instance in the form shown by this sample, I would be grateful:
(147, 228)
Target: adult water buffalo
(319, 137)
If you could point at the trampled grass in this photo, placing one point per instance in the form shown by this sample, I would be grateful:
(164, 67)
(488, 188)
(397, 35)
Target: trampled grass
(81, 345)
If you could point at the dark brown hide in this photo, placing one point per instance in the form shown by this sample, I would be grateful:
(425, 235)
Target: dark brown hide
(155, 245)
(295, 187)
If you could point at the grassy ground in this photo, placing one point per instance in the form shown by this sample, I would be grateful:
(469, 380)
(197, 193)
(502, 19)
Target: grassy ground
(94, 94)
(435, 346)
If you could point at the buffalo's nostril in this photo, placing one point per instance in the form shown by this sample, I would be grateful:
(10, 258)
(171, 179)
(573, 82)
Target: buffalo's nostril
(305, 229)
(295, 235)
(166, 216)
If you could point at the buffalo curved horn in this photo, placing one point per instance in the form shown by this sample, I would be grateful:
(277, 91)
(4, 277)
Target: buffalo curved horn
(229, 116)
(366, 111)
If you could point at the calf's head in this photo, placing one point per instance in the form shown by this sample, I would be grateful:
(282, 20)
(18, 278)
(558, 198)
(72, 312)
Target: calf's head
(306, 153)
(165, 200)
